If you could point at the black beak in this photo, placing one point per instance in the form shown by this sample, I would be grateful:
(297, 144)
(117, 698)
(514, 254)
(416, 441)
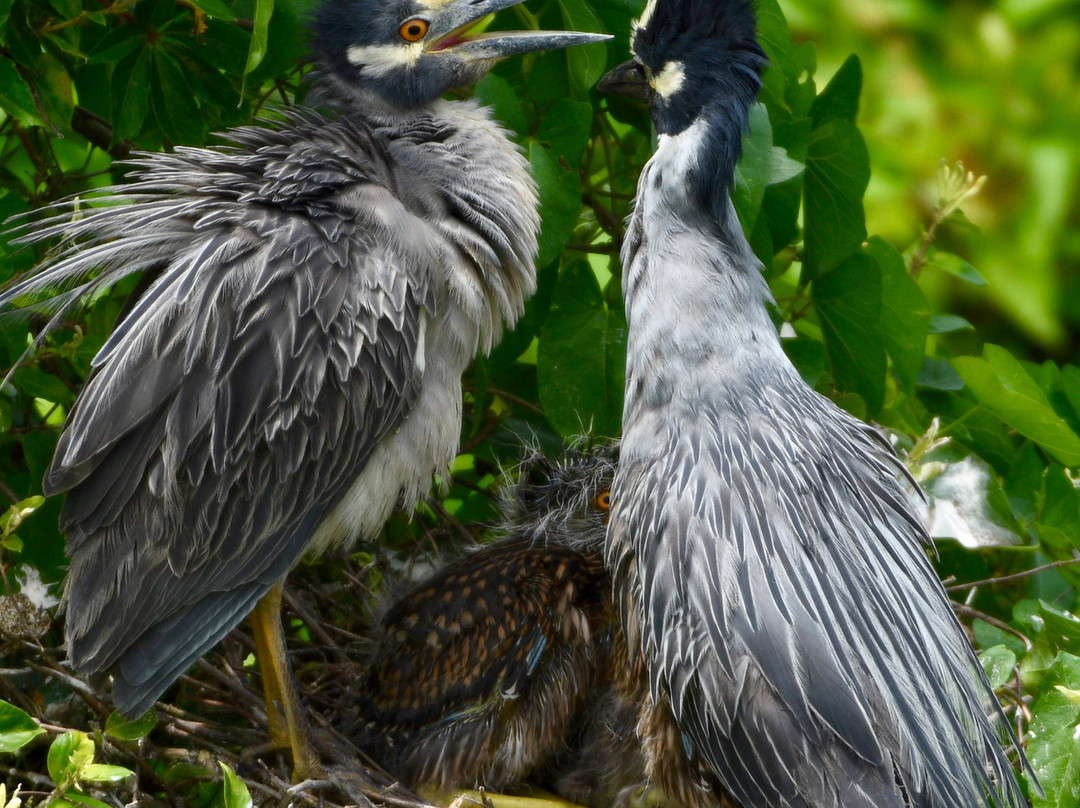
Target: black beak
(627, 79)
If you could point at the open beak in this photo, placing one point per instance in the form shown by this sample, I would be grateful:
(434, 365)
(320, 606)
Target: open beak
(450, 32)
(626, 79)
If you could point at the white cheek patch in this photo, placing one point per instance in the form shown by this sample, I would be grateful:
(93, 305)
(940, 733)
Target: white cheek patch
(668, 81)
(434, 5)
(379, 60)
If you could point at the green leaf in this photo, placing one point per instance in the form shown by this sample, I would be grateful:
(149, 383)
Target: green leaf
(586, 63)
(1070, 385)
(39, 384)
(174, 101)
(580, 365)
(235, 793)
(1001, 385)
(905, 314)
(1053, 745)
(848, 302)
(987, 636)
(104, 773)
(17, 728)
(837, 173)
(782, 167)
(840, 98)
(753, 169)
(117, 727)
(775, 37)
(264, 10)
(131, 93)
(955, 265)
(565, 127)
(14, 516)
(948, 324)
(214, 8)
(999, 664)
(15, 95)
(496, 92)
(74, 798)
(560, 200)
(69, 754)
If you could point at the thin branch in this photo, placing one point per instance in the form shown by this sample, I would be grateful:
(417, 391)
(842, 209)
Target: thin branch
(968, 611)
(1016, 576)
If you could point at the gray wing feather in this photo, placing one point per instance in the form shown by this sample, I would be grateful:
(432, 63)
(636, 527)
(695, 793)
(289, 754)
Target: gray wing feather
(241, 395)
(792, 617)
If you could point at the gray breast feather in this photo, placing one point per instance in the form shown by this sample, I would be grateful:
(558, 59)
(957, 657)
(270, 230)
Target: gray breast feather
(788, 596)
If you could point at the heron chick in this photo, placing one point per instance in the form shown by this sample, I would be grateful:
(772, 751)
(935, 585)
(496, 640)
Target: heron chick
(292, 374)
(771, 568)
(483, 673)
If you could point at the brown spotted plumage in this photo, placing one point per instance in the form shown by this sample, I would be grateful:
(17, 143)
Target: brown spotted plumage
(487, 672)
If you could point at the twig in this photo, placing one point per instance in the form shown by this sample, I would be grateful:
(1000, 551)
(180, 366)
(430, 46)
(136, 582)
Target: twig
(311, 620)
(88, 694)
(1014, 576)
(968, 611)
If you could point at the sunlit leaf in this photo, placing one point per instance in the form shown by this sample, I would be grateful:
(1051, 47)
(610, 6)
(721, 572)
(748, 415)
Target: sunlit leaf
(264, 10)
(1003, 387)
(998, 664)
(235, 793)
(1053, 746)
(17, 728)
(118, 727)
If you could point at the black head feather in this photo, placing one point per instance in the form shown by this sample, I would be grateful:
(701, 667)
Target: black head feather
(699, 64)
(702, 57)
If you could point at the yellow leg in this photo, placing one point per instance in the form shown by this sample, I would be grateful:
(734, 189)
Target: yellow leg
(288, 727)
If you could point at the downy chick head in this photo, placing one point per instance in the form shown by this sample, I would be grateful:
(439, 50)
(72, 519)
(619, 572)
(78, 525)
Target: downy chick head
(562, 501)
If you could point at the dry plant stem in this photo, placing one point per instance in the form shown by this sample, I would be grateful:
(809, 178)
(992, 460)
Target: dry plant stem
(231, 683)
(7, 491)
(312, 622)
(13, 775)
(78, 685)
(490, 424)
(968, 611)
(1016, 576)
(516, 400)
(447, 517)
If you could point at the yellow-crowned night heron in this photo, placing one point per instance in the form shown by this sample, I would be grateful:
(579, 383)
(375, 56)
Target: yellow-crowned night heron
(490, 671)
(293, 374)
(773, 571)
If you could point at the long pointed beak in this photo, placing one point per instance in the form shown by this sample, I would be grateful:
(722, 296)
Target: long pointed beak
(626, 79)
(451, 25)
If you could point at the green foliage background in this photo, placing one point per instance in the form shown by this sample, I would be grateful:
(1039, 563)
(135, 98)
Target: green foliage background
(956, 337)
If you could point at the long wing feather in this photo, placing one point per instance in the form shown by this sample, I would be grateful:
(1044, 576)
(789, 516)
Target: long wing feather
(242, 394)
(791, 614)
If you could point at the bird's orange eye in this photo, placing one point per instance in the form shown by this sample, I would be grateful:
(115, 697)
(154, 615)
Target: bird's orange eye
(413, 30)
(602, 500)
